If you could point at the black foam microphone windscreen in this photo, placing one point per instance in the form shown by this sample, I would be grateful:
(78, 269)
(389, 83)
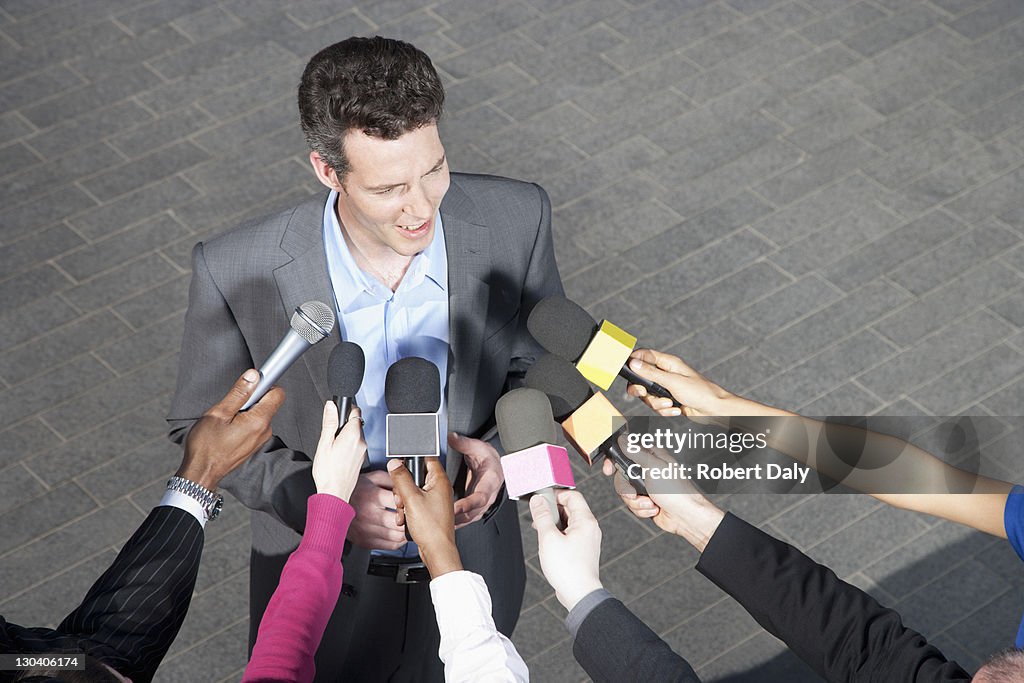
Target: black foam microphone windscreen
(590, 422)
(412, 392)
(564, 386)
(524, 419)
(412, 385)
(345, 369)
(562, 327)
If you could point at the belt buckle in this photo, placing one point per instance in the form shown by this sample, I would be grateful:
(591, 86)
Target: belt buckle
(402, 572)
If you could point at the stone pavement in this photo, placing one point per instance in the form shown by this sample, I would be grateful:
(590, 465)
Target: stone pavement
(819, 202)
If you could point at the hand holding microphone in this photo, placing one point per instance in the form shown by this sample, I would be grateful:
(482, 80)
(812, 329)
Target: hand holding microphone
(428, 514)
(694, 394)
(339, 454)
(570, 559)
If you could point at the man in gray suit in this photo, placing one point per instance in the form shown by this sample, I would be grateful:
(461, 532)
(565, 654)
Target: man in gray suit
(416, 262)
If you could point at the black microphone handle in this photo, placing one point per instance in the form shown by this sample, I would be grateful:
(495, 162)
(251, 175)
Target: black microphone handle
(651, 387)
(418, 468)
(622, 463)
(345, 404)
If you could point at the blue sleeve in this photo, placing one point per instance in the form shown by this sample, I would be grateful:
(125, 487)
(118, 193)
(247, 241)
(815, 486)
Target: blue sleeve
(1013, 520)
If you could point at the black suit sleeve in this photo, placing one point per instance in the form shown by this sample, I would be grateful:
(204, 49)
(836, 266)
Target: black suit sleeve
(839, 630)
(613, 645)
(133, 612)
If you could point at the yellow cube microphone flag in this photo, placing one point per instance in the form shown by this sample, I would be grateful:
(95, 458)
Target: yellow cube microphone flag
(605, 355)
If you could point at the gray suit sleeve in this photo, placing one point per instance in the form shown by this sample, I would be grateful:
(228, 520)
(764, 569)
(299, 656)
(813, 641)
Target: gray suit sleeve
(276, 479)
(613, 645)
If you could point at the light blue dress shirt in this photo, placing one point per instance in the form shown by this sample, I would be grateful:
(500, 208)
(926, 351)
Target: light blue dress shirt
(389, 326)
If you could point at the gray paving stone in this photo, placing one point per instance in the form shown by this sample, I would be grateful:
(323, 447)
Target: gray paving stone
(558, 664)
(640, 21)
(727, 44)
(64, 383)
(838, 24)
(627, 121)
(688, 594)
(1008, 401)
(554, 26)
(960, 387)
(821, 329)
(237, 134)
(134, 351)
(919, 120)
(988, 282)
(818, 170)
(892, 251)
(987, 19)
(683, 29)
(740, 373)
(536, 631)
(115, 396)
(626, 157)
(38, 246)
(703, 348)
(121, 282)
(908, 161)
(834, 127)
(16, 157)
(627, 228)
(732, 293)
(985, 88)
(39, 179)
(140, 140)
(75, 542)
(992, 198)
(992, 121)
(132, 208)
(221, 654)
(967, 588)
(55, 142)
(759, 658)
(47, 210)
(128, 51)
(832, 205)
(29, 286)
(60, 346)
(13, 126)
(932, 269)
(154, 461)
(144, 170)
(698, 269)
(38, 86)
(19, 441)
(116, 249)
(49, 602)
(844, 235)
(819, 517)
(220, 172)
(847, 550)
(110, 438)
(715, 151)
(925, 559)
(206, 23)
(700, 638)
(788, 15)
(892, 30)
(17, 485)
(72, 102)
(930, 357)
(847, 399)
(794, 301)
(826, 371)
(646, 567)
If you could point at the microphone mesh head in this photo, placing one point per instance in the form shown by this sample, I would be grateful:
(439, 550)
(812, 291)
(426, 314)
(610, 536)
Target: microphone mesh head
(561, 381)
(345, 369)
(562, 327)
(524, 419)
(313, 321)
(412, 385)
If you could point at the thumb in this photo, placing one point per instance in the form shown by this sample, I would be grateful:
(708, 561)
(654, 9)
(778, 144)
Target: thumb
(401, 478)
(651, 372)
(239, 393)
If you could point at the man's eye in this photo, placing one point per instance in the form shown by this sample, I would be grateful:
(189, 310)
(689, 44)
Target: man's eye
(387, 190)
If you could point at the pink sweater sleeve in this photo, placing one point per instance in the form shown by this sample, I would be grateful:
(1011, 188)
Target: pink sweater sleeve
(297, 615)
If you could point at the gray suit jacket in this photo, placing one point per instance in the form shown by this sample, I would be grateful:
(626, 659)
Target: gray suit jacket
(247, 283)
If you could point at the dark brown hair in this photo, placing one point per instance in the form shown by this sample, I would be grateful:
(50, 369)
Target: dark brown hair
(382, 86)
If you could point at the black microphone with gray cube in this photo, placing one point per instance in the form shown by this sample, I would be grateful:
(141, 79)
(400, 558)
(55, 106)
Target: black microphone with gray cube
(412, 392)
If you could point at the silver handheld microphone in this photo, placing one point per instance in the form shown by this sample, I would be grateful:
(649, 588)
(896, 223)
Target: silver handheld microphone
(311, 322)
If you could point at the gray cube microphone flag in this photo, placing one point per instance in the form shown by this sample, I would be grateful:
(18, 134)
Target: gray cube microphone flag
(412, 392)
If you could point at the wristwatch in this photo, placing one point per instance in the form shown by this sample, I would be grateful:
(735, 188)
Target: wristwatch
(211, 502)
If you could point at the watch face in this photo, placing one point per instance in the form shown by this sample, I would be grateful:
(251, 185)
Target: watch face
(215, 512)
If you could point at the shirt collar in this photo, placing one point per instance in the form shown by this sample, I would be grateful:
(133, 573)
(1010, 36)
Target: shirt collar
(350, 281)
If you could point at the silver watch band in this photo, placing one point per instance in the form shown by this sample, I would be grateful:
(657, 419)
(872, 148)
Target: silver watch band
(210, 501)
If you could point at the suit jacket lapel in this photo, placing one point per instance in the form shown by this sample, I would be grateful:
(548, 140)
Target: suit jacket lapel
(305, 278)
(467, 243)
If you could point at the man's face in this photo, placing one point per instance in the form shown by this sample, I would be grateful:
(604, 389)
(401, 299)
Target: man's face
(394, 188)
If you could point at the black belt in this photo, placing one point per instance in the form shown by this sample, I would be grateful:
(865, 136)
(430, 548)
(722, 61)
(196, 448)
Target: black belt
(400, 572)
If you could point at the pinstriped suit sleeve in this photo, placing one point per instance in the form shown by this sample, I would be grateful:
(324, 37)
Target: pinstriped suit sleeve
(133, 612)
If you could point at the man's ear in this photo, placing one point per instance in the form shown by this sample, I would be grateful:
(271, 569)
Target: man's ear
(324, 173)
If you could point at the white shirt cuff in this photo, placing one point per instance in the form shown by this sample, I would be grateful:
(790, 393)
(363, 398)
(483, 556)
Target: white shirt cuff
(177, 499)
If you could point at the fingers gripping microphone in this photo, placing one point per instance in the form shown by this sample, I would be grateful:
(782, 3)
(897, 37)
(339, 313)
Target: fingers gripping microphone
(311, 322)
(600, 352)
(533, 464)
(412, 392)
(590, 422)
(344, 377)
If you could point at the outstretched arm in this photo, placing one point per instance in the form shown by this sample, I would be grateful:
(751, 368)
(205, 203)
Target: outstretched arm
(908, 477)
